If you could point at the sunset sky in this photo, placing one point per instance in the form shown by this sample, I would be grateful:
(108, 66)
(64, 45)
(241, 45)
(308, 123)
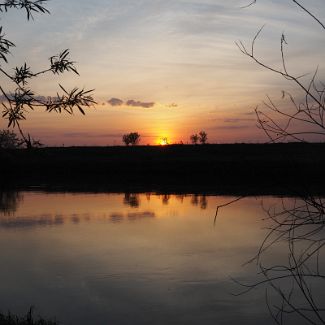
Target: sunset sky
(163, 68)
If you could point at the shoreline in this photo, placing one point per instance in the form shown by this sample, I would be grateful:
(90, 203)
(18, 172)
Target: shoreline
(241, 169)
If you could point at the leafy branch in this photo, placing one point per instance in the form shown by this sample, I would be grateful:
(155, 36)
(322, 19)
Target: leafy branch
(21, 99)
(30, 6)
(5, 46)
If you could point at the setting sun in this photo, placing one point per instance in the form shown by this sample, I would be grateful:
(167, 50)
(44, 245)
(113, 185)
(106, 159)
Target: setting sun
(163, 141)
(179, 178)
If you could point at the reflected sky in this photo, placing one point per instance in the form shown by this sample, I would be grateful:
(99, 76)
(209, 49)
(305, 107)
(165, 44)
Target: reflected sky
(96, 259)
(14, 213)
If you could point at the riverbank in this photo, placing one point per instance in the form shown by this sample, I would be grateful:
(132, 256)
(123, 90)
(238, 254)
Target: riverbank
(28, 319)
(219, 169)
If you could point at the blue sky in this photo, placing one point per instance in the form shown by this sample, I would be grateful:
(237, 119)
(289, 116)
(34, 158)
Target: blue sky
(180, 55)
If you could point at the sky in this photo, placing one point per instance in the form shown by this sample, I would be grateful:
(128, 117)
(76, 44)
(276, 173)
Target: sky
(163, 68)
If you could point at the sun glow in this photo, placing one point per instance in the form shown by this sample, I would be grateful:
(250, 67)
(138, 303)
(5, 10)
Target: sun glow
(163, 141)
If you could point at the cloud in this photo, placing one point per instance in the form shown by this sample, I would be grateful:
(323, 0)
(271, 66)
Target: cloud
(140, 215)
(231, 127)
(91, 135)
(238, 120)
(250, 113)
(136, 103)
(115, 102)
(172, 105)
(4, 99)
(28, 222)
(132, 216)
(116, 217)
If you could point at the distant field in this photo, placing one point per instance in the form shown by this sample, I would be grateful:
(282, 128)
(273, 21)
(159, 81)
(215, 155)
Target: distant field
(257, 168)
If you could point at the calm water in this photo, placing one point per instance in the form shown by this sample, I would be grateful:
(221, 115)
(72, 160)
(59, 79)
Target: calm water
(133, 258)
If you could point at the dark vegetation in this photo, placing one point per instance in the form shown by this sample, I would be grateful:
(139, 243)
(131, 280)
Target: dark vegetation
(9, 140)
(236, 168)
(132, 138)
(202, 137)
(29, 319)
(297, 225)
(20, 99)
(302, 114)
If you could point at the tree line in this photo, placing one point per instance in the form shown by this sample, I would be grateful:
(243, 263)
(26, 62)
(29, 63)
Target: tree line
(134, 138)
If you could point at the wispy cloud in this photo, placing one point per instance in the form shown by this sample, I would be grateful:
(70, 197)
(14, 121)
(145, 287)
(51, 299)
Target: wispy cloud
(137, 103)
(194, 61)
(91, 135)
(231, 127)
(172, 105)
(118, 217)
(238, 120)
(115, 102)
(249, 113)
(131, 103)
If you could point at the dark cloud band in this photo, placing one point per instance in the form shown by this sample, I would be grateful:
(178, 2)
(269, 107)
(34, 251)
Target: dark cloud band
(132, 103)
(115, 102)
(136, 103)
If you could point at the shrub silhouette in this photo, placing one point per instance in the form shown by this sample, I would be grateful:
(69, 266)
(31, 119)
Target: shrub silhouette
(203, 137)
(9, 140)
(194, 138)
(132, 138)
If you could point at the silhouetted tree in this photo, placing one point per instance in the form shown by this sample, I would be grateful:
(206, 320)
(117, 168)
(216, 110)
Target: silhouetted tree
(126, 139)
(165, 199)
(194, 138)
(132, 138)
(296, 225)
(164, 141)
(303, 117)
(20, 99)
(9, 140)
(296, 228)
(9, 201)
(195, 199)
(203, 202)
(132, 199)
(203, 137)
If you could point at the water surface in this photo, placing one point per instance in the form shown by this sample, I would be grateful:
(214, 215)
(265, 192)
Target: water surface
(132, 258)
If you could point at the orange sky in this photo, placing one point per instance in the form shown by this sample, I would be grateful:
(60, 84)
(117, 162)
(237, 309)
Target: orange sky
(173, 66)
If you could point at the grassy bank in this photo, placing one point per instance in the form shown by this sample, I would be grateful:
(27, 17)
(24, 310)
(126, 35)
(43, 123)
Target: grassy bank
(244, 167)
(28, 319)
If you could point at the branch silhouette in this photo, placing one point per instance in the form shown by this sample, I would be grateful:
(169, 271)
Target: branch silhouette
(21, 99)
(302, 118)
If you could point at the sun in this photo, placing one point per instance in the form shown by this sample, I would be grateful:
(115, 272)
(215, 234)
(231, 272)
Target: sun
(163, 141)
